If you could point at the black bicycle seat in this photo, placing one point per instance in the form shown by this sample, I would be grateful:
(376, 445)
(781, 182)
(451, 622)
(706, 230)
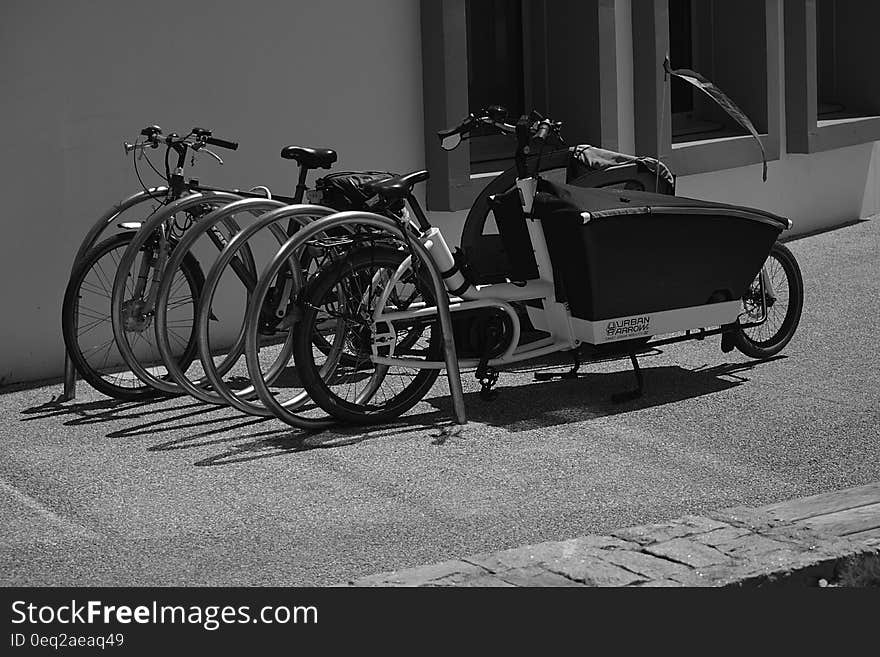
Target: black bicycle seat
(313, 158)
(396, 188)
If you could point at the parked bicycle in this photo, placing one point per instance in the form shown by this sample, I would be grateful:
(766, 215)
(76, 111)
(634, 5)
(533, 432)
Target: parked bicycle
(90, 343)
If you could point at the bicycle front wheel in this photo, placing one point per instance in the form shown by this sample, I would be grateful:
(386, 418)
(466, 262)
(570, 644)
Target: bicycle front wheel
(87, 326)
(785, 300)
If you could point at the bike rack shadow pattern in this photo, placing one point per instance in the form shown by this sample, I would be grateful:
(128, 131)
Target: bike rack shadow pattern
(514, 411)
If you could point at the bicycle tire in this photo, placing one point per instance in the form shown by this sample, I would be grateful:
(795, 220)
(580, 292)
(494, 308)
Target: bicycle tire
(110, 378)
(319, 295)
(770, 344)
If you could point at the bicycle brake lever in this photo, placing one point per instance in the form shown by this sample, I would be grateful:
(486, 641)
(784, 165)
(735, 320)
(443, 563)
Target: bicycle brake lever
(212, 154)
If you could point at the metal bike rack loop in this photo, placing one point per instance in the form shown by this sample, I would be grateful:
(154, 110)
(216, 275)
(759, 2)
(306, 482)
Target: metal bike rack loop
(88, 242)
(354, 217)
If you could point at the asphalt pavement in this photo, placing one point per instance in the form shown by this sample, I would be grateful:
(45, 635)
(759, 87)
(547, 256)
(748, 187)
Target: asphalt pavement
(172, 492)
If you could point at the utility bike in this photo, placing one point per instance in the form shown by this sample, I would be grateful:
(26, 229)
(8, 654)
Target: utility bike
(610, 274)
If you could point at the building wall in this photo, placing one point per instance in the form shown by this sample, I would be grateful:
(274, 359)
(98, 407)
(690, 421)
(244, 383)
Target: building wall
(77, 79)
(815, 191)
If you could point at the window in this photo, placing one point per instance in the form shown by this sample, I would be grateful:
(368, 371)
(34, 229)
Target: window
(557, 57)
(735, 45)
(495, 71)
(833, 97)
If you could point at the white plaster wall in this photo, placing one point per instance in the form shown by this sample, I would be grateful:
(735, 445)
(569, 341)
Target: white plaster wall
(77, 78)
(815, 191)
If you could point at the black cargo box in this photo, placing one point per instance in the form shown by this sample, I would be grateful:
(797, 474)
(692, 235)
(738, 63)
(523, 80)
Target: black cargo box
(621, 253)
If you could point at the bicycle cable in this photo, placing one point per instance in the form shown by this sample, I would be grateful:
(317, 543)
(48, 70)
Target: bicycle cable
(152, 166)
(138, 173)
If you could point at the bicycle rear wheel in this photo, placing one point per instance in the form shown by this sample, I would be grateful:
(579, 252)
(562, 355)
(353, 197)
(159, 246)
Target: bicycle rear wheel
(339, 308)
(87, 329)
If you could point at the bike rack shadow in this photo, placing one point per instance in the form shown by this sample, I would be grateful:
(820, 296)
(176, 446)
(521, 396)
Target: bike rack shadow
(515, 410)
(174, 421)
(109, 410)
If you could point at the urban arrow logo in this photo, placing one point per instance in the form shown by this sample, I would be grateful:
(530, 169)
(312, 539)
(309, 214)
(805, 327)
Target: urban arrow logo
(631, 326)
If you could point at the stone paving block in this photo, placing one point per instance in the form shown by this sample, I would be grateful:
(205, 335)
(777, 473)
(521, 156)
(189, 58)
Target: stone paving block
(446, 573)
(660, 532)
(542, 553)
(688, 552)
(753, 546)
(805, 537)
(658, 583)
(649, 566)
(780, 561)
(522, 557)
(536, 576)
(703, 523)
(720, 537)
(748, 517)
(598, 543)
(485, 581)
(593, 571)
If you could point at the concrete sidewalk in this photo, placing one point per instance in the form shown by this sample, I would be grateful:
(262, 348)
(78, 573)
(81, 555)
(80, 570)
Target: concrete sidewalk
(792, 543)
(172, 492)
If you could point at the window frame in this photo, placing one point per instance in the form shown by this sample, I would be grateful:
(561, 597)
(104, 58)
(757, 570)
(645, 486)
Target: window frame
(453, 185)
(653, 121)
(804, 133)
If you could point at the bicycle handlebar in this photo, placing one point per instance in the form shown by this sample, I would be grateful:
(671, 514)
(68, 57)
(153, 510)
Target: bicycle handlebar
(542, 131)
(196, 140)
(222, 143)
(541, 127)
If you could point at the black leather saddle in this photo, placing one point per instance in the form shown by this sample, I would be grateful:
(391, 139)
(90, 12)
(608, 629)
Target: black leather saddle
(397, 187)
(311, 158)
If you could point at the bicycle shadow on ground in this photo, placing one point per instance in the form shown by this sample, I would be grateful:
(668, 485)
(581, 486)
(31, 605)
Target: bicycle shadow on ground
(518, 408)
(552, 403)
(93, 412)
(219, 419)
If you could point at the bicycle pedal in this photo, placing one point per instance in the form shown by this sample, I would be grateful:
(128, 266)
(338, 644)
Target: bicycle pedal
(291, 318)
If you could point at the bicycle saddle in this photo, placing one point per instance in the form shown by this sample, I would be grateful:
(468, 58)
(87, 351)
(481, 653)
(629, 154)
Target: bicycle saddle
(397, 187)
(312, 158)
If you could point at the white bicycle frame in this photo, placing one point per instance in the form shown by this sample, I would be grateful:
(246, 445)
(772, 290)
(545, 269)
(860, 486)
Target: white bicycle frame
(566, 332)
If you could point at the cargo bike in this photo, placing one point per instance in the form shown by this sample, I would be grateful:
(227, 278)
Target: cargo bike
(598, 273)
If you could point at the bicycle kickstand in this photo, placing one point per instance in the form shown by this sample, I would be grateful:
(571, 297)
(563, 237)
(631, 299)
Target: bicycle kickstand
(488, 377)
(570, 374)
(629, 395)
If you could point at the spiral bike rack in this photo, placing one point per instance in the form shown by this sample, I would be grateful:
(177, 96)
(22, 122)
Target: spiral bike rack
(145, 233)
(270, 220)
(292, 246)
(273, 212)
(192, 234)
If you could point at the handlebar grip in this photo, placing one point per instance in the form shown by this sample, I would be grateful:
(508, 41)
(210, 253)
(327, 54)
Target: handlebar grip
(222, 143)
(543, 131)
